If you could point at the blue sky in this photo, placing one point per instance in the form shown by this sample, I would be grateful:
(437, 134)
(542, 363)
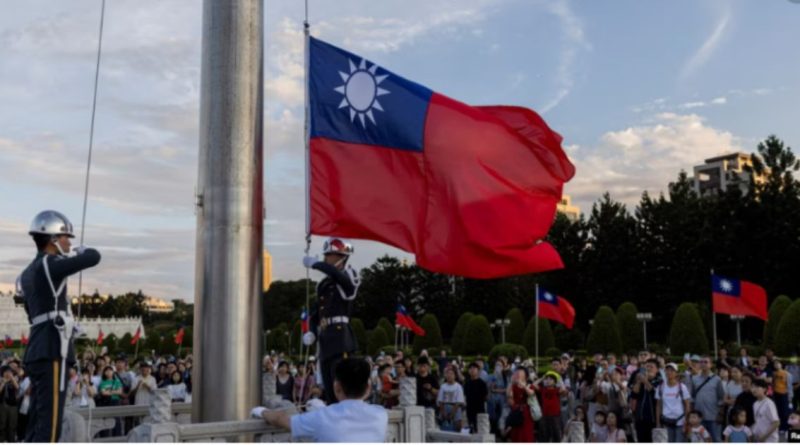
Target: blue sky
(639, 90)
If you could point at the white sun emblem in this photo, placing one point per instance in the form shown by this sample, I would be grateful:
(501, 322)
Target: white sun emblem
(361, 91)
(548, 296)
(726, 285)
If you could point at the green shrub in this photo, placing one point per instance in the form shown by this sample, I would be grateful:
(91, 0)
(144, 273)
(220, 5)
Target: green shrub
(687, 333)
(376, 339)
(509, 350)
(546, 339)
(776, 311)
(515, 332)
(360, 333)
(787, 339)
(478, 338)
(630, 329)
(432, 337)
(388, 328)
(552, 352)
(604, 335)
(568, 339)
(457, 339)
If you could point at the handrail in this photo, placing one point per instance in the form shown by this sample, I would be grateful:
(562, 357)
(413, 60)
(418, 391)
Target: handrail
(128, 410)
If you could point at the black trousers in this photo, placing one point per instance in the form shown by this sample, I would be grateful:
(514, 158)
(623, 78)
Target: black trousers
(328, 369)
(47, 402)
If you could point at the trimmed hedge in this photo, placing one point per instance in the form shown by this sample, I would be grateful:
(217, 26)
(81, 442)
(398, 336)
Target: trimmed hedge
(604, 336)
(478, 338)
(630, 329)
(546, 339)
(787, 340)
(388, 328)
(376, 339)
(776, 311)
(360, 332)
(515, 332)
(687, 334)
(457, 339)
(433, 334)
(509, 350)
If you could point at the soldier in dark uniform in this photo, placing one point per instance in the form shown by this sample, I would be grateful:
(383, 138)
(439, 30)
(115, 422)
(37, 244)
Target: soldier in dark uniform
(50, 350)
(330, 318)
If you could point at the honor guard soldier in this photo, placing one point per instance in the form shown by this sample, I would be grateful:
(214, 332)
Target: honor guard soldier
(50, 350)
(330, 319)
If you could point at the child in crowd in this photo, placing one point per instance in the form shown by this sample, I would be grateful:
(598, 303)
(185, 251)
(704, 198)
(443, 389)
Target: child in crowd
(451, 402)
(551, 406)
(599, 429)
(697, 432)
(738, 431)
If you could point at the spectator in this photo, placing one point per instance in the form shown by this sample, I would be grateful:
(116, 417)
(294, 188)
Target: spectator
(24, 395)
(303, 383)
(126, 377)
(723, 361)
(9, 390)
(517, 394)
(737, 431)
(615, 434)
(177, 388)
(284, 383)
(476, 393)
(427, 384)
(578, 418)
(450, 402)
(72, 382)
(145, 385)
(408, 363)
(697, 432)
(744, 359)
(794, 423)
(765, 428)
(498, 382)
(389, 387)
(746, 399)
(708, 395)
(84, 392)
(732, 389)
(551, 406)
(781, 393)
(643, 393)
(110, 391)
(599, 432)
(794, 372)
(673, 404)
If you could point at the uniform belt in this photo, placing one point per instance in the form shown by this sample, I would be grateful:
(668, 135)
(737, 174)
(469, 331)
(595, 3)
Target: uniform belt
(334, 320)
(47, 316)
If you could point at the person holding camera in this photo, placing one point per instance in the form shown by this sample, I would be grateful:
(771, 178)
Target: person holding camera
(9, 388)
(673, 405)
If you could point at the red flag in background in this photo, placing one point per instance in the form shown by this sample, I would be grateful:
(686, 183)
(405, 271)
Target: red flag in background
(304, 322)
(471, 191)
(179, 336)
(137, 336)
(402, 318)
(9, 341)
(24, 339)
(738, 297)
(100, 337)
(553, 307)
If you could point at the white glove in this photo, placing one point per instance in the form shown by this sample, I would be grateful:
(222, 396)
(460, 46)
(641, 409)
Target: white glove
(79, 250)
(309, 338)
(257, 412)
(309, 261)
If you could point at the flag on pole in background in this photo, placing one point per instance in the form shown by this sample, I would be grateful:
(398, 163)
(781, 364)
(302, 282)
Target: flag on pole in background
(137, 335)
(402, 318)
(24, 339)
(9, 341)
(553, 307)
(179, 336)
(471, 191)
(738, 297)
(304, 322)
(100, 337)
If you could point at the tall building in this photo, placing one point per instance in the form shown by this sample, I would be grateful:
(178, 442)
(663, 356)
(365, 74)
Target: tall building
(573, 213)
(721, 172)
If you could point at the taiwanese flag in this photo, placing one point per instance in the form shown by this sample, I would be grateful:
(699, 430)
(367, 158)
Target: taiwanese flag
(738, 297)
(304, 322)
(24, 339)
(179, 336)
(9, 341)
(402, 318)
(471, 191)
(553, 307)
(137, 335)
(100, 337)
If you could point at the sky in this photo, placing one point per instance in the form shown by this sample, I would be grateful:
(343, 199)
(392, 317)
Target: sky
(639, 90)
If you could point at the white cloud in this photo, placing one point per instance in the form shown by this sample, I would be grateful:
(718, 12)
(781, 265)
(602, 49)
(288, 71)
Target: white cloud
(719, 100)
(646, 157)
(701, 56)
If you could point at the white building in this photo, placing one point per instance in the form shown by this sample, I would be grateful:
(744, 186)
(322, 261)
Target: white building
(721, 172)
(573, 213)
(14, 322)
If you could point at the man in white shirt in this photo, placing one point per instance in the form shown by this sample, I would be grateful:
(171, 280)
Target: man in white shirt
(765, 428)
(350, 420)
(145, 384)
(672, 405)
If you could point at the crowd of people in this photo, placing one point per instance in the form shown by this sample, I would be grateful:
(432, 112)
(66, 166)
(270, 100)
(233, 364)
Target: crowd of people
(611, 398)
(98, 380)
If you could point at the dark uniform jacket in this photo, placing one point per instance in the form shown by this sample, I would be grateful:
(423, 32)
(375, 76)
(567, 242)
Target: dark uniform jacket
(335, 295)
(44, 343)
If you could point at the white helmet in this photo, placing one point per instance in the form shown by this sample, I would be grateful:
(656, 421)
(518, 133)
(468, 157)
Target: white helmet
(337, 245)
(50, 222)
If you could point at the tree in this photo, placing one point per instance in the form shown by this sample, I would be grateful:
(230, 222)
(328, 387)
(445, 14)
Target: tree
(376, 339)
(604, 335)
(124, 344)
(360, 333)
(776, 311)
(546, 339)
(787, 341)
(568, 339)
(285, 300)
(629, 327)
(687, 334)
(478, 338)
(516, 330)
(388, 328)
(457, 339)
(432, 337)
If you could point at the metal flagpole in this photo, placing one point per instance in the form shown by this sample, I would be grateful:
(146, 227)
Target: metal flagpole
(714, 321)
(536, 366)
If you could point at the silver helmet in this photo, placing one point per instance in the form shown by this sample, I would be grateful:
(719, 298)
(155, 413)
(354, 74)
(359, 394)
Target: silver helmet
(50, 222)
(337, 245)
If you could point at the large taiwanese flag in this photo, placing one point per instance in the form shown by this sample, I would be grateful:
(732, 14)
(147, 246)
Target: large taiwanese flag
(553, 307)
(471, 191)
(401, 318)
(738, 297)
